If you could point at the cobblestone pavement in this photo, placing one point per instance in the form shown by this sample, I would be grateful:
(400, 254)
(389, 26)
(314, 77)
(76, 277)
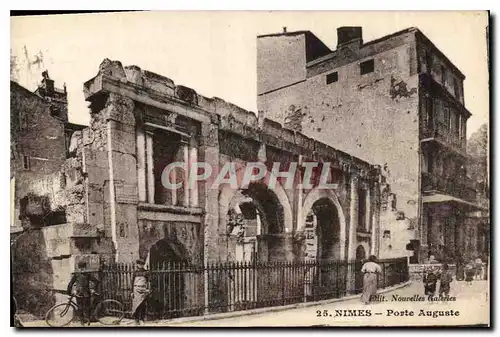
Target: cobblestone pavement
(470, 307)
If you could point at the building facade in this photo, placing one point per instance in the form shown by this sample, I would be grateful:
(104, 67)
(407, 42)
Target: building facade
(39, 144)
(397, 99)
(117, 207)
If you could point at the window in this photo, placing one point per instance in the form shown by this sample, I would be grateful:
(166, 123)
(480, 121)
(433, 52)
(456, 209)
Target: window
(332, 78)
(443, 75)
(446, 117)
(456, 124)
(387, 234)
(430, 112)
(122, 230)
(428, 162)
(456, 88)
(26, 162)
(428, 61)
(362, 209)
(367, 67)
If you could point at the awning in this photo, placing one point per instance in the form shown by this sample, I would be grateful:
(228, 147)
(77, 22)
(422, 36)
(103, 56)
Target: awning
(443, 198)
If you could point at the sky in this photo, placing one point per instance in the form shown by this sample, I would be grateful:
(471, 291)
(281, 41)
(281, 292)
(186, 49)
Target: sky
(215, 52)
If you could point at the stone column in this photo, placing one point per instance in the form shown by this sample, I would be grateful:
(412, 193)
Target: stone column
(353, 221)
(173, 177)
(209, 195)
(213, 248)
(141, 164)
(150, 172)
(185, 182)
(193, 158)
(375, 246)
(368, 208)
(300, 195)
(123, 177)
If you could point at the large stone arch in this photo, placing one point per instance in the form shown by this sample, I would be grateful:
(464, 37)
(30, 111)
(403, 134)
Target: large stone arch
(226, 194)
(315, 195)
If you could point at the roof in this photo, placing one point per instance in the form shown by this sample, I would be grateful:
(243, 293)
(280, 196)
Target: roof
(14, 84)
(443, 198)
(425, 39)
(298, 32)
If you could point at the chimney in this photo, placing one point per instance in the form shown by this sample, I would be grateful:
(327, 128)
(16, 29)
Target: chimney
(349, 35)
(284, 29)
(48, 84)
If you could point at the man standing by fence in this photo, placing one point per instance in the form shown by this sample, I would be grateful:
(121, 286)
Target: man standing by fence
(140, 283)
(79, 285)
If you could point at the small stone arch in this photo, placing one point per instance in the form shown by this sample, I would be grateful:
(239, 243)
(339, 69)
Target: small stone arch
(170, 293)
(361, 252)
(315, 195)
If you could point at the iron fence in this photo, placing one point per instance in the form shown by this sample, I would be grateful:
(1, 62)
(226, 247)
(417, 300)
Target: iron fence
(181, 289)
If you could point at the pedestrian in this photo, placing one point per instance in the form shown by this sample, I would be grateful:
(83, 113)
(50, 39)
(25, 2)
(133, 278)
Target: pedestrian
(140, 283)
(370, 269)
(432, 260)
(479, 269)
(444, 281)
(469, 272)
(430, 281)
(79, 286)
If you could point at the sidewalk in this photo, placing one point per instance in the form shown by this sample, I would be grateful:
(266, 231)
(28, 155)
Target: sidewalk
(472, 303)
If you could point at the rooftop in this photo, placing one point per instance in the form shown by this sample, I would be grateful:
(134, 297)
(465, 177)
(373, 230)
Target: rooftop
(333, 53)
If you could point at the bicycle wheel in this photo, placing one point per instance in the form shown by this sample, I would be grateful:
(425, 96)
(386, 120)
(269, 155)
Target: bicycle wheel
(60, 315)
(109, 312)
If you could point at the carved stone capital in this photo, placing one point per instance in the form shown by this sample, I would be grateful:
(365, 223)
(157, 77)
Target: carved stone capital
(120, 108)
(209, 135)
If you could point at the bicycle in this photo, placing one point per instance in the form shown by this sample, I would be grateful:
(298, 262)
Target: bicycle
(107, 312)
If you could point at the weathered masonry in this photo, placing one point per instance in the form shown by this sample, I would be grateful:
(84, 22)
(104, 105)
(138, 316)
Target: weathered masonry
(142, 121)
(397, 99)
(117, 209)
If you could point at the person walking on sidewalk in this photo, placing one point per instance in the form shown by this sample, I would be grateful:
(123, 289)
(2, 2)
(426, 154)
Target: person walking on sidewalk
(479, 269)
(444, 281)
(140, 283)
(430, 281)
(470, 271)
(370, 271)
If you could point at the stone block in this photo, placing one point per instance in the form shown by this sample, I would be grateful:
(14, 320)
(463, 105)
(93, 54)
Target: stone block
(95, 193)
(126, 193)
(97, 175)
(73, 177)
(96, 215)
(62, 269)
(94, 158)
(123, 141)
(83, 230)
(76, 213)
(125, 168)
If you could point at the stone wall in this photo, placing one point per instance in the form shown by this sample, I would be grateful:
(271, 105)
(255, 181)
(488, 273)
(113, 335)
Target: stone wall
(356, 113)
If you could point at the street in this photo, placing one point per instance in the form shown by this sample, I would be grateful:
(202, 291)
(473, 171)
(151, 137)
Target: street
(472, 303)
(470, 307)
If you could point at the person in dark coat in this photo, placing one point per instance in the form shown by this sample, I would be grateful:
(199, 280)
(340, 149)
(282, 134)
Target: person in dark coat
(445, 280)
(430, 281)
(470, 271)
(79, 286)
(141, 290)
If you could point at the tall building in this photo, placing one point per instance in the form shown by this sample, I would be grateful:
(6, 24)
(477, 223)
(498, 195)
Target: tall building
(397, 101)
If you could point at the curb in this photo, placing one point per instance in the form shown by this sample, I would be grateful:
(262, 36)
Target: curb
(271, 309)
